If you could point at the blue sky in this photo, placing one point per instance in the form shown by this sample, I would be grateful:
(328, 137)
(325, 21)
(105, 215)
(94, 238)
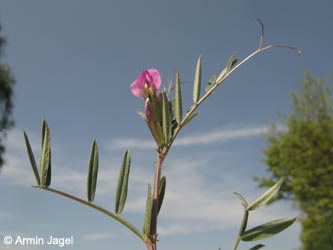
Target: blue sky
(74, 61)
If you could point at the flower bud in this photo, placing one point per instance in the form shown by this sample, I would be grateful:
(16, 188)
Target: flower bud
(148, 110)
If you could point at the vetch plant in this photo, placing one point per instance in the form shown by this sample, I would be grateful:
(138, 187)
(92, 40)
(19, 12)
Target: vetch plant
(163, 113)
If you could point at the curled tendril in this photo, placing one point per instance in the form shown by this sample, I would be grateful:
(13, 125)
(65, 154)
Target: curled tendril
(262, 33)
(261, 42)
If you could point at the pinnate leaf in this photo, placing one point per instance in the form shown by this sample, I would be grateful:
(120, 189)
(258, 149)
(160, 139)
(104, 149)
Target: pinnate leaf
(242, 199)
(166, 117)
(122, 186)
(149, 206)
(197, 81)
(161, 193)
(231, 62)
(267, 230)
(178, 100)
(45, 162)
(211, 83)
(256, 247)
(266, 196)
(92, 172)
(31, 158)
(190, 118)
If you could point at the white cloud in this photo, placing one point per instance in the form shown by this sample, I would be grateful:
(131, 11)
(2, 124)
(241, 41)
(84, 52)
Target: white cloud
(97, 236)
(193, 202)
(211, 137)
(201, 205)
(132, 143)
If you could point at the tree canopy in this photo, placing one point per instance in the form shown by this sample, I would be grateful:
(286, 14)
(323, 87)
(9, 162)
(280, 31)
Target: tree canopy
(7, 82)
(303, 153)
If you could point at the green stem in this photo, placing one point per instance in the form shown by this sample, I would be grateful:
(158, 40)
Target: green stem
(236, 242)
(157, 181)
(100, 209)
(163, 153)
(210, 91)
(242, 228)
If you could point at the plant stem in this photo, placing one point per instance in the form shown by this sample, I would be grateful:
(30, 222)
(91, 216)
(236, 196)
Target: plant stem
(100, 209)
(151, 244)
(158, 171)
(242, 228)
(236, 242)
(210, 91)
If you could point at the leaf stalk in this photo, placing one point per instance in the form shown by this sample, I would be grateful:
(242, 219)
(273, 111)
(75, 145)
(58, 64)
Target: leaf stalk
(116, 217)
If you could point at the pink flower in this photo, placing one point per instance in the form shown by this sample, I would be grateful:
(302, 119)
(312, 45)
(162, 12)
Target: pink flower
(149, 78)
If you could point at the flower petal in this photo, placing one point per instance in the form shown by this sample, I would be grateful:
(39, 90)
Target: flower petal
(141, 80)
(156, 78)
(150, 78)
(136, 89)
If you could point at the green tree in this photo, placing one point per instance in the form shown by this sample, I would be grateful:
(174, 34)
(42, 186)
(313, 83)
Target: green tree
(6, 99)
(303, 153)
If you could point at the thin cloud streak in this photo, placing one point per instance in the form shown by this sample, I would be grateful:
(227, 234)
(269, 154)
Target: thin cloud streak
(192, 204)
(221, 135)
(98, 236)
(132, 143)
(194, 140)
